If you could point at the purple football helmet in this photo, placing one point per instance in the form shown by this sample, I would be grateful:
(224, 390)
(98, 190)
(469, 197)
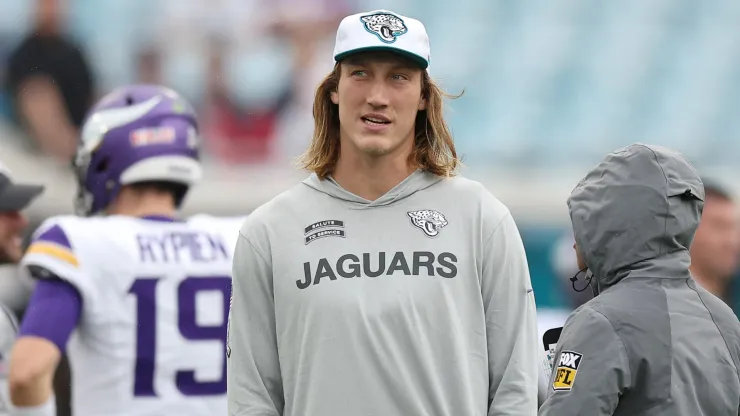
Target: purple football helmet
(136, 133)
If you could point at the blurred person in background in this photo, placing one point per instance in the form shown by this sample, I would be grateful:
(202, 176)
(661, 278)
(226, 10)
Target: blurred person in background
(50, 83)
(237, 133)
(438, 315)
(149, 66)
(141, 296)
(308, 27)
(259, 66)
(652, 341)
(14, 198)
(224, 55)
(716, 247)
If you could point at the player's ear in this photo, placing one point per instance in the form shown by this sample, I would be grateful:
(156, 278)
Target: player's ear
(422, 103)
(424, 94)
(334, 97)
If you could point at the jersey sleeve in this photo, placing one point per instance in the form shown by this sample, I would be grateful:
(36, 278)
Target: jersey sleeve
(54, 254)
(53, 312)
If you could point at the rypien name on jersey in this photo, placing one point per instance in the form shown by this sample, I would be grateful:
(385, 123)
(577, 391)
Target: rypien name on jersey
(350, 265)
(200, 247)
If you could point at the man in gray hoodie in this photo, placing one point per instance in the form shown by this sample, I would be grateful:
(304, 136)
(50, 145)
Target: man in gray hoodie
(384, 284)
(652, 342)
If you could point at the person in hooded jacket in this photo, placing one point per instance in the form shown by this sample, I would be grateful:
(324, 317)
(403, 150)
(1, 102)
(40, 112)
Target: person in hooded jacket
(651, 341)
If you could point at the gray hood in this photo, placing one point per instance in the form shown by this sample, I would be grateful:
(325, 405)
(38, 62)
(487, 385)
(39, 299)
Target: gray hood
(635, 214)
(413, 183)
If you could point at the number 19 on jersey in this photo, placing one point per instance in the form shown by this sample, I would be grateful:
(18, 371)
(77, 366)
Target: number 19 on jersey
(145, 291)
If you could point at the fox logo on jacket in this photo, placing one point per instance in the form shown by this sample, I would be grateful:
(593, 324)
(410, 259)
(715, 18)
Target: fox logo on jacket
(565, 374)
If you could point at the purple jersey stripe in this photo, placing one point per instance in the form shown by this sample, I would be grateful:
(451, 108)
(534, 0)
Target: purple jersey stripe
(56, 236)
(53, 312)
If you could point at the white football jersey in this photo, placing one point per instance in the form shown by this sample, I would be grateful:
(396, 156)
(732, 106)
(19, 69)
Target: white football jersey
(155, 299)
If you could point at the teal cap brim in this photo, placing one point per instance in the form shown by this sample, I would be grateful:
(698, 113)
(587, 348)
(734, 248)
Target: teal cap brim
(423, 63)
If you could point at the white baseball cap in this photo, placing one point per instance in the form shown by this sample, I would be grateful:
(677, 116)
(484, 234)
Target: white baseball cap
(382, 30)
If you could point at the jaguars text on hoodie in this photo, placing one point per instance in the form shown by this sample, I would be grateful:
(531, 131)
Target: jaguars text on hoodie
(417, 303)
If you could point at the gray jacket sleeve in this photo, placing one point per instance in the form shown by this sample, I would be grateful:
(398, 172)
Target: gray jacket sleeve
(254, 384)
(511, 324)
(591, 369)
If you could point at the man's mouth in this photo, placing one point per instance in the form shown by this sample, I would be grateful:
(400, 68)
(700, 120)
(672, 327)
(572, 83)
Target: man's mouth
(375, 121)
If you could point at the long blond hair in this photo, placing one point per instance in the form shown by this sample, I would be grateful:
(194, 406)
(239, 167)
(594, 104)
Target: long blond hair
(434, 148)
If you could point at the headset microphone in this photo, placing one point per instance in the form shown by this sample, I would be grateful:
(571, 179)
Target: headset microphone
(574, 279)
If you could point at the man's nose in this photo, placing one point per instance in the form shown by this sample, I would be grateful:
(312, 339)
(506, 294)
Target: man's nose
(17, 220)
(22, 221)
(377, 95)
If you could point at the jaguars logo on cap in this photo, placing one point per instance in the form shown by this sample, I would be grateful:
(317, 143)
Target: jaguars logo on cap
(387, 27)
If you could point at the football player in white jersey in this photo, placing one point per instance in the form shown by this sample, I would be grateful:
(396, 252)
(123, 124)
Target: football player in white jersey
(14, 198)
(137, 299)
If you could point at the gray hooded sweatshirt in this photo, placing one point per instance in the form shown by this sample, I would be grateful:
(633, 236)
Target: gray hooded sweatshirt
(416, 304)
(652, 342)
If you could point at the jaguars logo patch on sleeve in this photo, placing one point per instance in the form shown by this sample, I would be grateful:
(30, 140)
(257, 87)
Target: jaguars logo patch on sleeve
(565, 373)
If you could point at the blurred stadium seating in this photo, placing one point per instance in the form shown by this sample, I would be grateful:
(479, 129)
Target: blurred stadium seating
(550, 87)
